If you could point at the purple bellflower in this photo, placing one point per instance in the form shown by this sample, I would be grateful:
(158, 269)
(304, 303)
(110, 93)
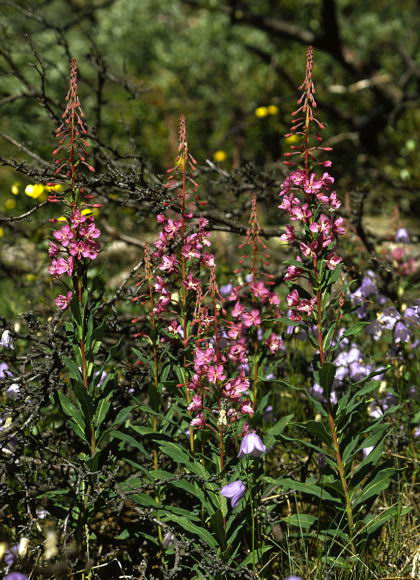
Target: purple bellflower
(4, 371)
(234, 491)
(252, 444)
(402, 236)
(6, 339)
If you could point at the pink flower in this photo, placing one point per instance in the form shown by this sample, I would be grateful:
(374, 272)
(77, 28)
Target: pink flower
(195, 404)
(237, 310)
(309, 250)
(338, 227)
(77, 218)
(333, 202)
(332, 261)
(235, 388)
(198, 421)
(306, 306)
(293, 298)
(168, 263)
(203, 357)
(246, 408)
(297, 177)
(234, 331)
(208, 259)
(295, 316)
(289, 235)
(237, 353)
(61, 266)
(53, 249)
(274, 343)
(65, 235)
(192, 283)
(292, 273)
(190, 251)
(216, 373)
(312, 185)
(251, 318)
(62, 302)
(90, 231)
(260, 290)
(301, 213)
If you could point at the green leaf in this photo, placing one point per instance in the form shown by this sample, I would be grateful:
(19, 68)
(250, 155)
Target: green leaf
(78, 430)
(127, 439)
(174, 451)
(77, 423)
(193, 489)
(326, 376)
(74, 371)
(303, 521)
(355, 329)
(101, 411)
(309, 488)
(373, 522)
(379, 483)
(192, 528)
(318, 429)
(255, 556)
(143, 430)
(123, 414)
(349, 452)
(378, 433)
(280, 425)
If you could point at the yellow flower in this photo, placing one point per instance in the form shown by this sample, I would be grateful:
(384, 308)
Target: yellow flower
(34, 191)
(220, 155)
(57, 187)
(90, 211)
(261, 112)
(62, 219)
(1, 232)
(272, 110)
(10, 203)
(292, 139)
(30, 277)
(15, 188)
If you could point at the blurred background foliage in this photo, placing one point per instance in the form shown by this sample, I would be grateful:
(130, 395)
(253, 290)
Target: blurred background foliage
(233, 67)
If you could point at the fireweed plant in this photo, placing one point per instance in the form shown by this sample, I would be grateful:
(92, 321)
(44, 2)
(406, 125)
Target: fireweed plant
(73, 248)
(348, 483)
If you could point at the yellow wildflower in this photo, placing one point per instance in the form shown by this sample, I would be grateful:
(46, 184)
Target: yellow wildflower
(261, 112)
(272, 110)
(34, 191)
(30, 277)
(292, 139)
(58, 187)
(15, 188)
(90, 211)
(10, 203)
(220, 155)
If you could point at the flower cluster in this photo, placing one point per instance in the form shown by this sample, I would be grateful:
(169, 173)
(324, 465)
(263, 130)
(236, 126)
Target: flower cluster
(73, 244)
(183, 264)
(307, 196)
(252, 300)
